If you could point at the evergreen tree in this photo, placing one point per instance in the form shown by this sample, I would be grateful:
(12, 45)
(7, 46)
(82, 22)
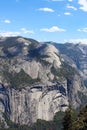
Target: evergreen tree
(81, 122)
(69, 118)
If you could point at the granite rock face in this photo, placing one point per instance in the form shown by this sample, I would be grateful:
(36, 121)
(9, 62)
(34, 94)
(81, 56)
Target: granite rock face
(76, 56)
(35, 81)
(27, 105)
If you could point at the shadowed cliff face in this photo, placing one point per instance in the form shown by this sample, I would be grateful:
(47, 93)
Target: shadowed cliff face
(35, 81)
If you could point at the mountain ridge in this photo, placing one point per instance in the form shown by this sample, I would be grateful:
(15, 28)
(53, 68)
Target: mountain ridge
(36, 80)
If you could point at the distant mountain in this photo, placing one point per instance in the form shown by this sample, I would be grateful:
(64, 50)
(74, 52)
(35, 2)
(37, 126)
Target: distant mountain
(39, 79)
(76, 56)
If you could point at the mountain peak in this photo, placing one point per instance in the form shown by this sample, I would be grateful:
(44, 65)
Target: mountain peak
(37, 80)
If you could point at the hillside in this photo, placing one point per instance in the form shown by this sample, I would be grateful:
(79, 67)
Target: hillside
(37, 80)
(76, 56)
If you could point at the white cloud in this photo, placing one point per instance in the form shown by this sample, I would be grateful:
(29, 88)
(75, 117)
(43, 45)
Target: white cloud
(53, 29)
(8, 33)
(24, 30)
(83, 4)
(67, 13)
(15, 33)
(82, 30)
(71, 7)
(6, 21)
(75, 41)
(46, 9)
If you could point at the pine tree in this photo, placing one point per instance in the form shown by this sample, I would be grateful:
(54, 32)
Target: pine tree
(81, 122)
(69, 118)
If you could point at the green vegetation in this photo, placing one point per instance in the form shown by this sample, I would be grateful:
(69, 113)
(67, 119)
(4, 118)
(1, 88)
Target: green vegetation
(34, 54)
(72, 51)
(69, 120)
(58, 120)
(8, 42)
(56, 124)
(32, 46)
(72, 122)
(81, 122)
(2, 124)
(19, 80)
(65, 71)
(83, 98)
(12, 41)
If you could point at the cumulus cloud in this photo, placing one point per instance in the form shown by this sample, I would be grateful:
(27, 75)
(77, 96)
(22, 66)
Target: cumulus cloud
(24, 30)
(46, 9)
(83, 4)
(82, 30)
(75, 41)
(8, 33)
(15, 33)
(67, 13)
(53, 29)
(71, 7)
(6, 21)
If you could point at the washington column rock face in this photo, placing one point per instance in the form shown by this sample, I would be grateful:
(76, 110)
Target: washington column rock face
(36, 81)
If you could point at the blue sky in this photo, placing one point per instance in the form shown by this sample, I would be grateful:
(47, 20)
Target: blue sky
(44, 20)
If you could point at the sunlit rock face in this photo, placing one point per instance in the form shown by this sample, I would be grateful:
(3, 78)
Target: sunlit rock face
(75, 54)
(36, 81)
(27, 105)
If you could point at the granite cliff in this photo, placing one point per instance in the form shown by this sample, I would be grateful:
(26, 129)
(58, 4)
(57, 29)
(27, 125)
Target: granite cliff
(36, 81)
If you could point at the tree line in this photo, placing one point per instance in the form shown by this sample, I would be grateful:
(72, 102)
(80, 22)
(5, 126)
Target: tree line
(68, 120)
